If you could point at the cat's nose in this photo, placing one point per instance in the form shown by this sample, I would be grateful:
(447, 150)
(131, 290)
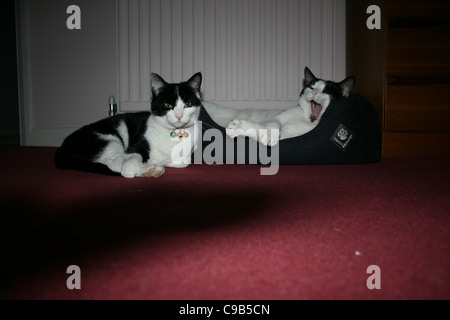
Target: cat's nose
(179, 118)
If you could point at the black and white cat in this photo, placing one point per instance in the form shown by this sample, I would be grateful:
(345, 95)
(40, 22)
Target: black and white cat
(139, 144)
(315, 97)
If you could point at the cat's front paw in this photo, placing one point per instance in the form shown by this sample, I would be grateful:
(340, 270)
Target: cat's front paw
(155, 172)
(131, 167)
(233, 128)
(269, 138)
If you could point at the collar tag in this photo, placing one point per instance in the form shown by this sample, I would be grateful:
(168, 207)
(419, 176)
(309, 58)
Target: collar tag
(178, 134)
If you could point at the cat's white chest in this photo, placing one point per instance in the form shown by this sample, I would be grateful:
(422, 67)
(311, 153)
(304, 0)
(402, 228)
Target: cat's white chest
(167, 148)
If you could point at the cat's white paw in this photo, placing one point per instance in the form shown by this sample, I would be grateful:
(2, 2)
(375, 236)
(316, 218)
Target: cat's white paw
(269, 138)
(233, 128)
(155, 172)
(269, 141)
(131, 167)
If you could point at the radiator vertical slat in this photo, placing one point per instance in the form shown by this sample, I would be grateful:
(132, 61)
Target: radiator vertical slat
(133, 47)
(123, 51)
(155, 36)
(144, 50)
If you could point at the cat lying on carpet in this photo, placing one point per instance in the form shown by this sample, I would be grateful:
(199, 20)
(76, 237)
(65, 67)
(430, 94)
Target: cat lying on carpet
(314, 100)
(139, 144)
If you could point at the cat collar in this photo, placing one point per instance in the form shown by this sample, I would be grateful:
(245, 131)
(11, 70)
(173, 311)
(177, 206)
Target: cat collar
(179, 133)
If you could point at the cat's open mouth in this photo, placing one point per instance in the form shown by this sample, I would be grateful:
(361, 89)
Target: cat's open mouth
(315, 110)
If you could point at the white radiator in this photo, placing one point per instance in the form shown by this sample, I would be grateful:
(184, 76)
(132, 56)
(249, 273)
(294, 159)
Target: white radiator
(251, 53)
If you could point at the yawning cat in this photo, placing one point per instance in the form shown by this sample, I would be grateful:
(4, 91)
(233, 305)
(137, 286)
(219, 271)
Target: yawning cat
(282, 124)
(139, 144)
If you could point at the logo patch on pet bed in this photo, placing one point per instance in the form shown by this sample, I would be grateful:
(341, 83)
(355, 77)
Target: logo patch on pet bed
(342, 137)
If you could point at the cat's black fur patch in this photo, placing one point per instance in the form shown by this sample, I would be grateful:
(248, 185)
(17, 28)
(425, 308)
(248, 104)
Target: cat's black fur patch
(82, 147)
(334, 89)
(169, 93)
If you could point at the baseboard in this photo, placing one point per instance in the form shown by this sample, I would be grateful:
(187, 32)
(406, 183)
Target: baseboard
(47, 137)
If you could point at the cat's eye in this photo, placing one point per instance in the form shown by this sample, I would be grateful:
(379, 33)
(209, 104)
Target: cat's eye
(188, 105)
(168, 106)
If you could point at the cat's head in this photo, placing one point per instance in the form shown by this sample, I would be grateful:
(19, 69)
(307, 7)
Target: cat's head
(318, 94)
(176, 105)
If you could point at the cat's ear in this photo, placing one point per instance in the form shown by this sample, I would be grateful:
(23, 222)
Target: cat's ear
(158, 84)
(309, 76)
(195, 82)
(347, 85)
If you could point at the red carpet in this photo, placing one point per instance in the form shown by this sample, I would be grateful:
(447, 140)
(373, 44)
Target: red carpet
(225, 232)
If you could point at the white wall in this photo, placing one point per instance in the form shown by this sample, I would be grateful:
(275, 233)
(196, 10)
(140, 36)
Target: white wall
(66, 75)
(251, 53)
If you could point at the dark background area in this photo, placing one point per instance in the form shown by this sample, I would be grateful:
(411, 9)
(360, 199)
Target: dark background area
(9, 102)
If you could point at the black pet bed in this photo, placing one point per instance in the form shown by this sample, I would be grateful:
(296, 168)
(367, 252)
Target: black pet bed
(348, 133)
